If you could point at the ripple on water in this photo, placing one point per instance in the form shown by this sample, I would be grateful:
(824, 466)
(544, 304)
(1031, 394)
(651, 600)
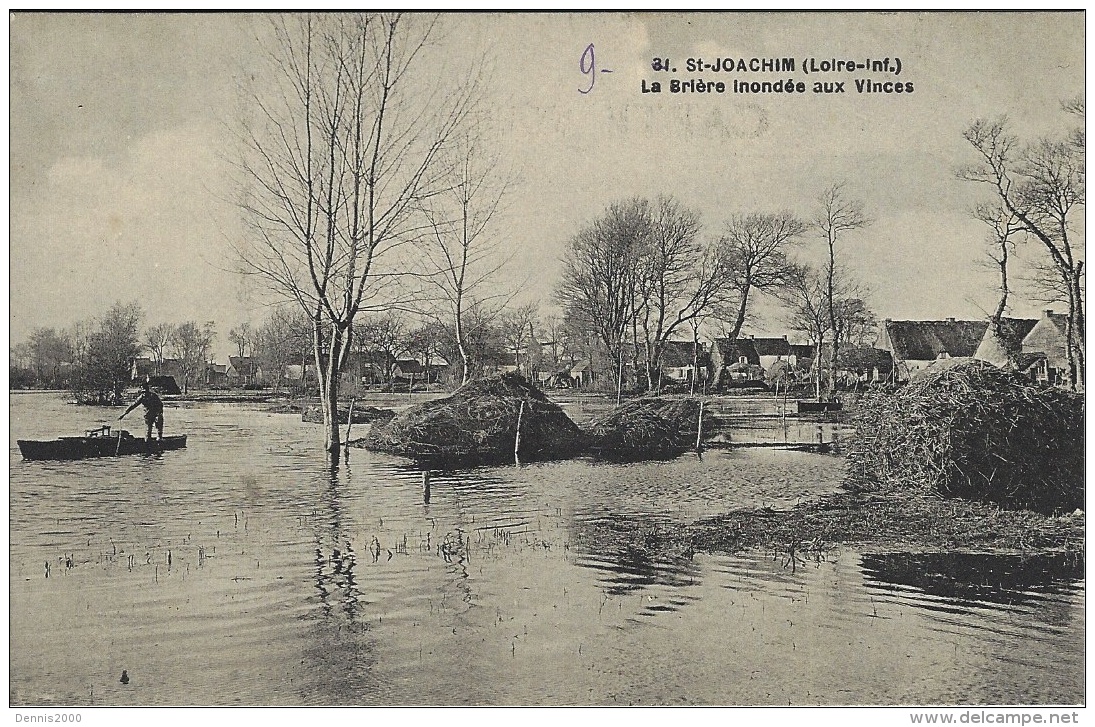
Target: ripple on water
(242, 570)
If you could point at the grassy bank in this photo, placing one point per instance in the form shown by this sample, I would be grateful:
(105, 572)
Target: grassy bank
(889, 523)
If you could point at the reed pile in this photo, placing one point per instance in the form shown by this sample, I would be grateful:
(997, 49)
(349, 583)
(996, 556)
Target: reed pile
(646, 428)
(479, 422)
(976, 432)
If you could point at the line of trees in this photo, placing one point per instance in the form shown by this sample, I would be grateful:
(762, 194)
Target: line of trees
(640, 276)
(94, 358)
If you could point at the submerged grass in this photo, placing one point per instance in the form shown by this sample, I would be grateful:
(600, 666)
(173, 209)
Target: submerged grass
(891, 522)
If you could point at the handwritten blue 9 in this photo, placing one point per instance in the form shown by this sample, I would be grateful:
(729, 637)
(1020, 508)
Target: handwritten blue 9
(588, 66)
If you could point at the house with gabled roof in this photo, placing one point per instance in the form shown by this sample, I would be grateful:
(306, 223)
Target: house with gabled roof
(243, 370)
(915, 345)
(1002, 344)
(1047, 344)
(740, 354)
(680, 358)
(771, 350)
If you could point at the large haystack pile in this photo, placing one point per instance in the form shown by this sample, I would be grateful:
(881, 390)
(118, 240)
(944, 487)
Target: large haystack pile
(646, 428)
(974, 431)
(479, 423)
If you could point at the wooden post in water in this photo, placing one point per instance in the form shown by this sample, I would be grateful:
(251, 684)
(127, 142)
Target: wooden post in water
(699, 429)
(349, 425)
(620, 381)
(426, 487)
(517, 438)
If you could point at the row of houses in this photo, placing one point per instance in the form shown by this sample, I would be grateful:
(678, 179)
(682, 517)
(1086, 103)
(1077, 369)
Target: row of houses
(1038, 347)
(238, 372)
(901, 350)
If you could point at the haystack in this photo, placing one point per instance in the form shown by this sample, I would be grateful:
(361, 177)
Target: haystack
(646, 428)
(973, 431)
(479, 423)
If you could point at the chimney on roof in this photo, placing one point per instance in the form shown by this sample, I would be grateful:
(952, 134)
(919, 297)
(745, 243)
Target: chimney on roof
(950, 320)
(784, 336)
(1048, 312)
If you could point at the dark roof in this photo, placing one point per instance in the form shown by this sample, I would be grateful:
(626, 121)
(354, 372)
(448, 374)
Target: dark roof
(1059, 321)
(864, 359)
(241, 363)
(802, 350)
(410, 366)
(732, 351)
(680, 353)
(772, 346)
(164, 384)
(926, 340)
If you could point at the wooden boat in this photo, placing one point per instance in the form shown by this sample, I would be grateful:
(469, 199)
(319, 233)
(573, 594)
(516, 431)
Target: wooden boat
(97, 443)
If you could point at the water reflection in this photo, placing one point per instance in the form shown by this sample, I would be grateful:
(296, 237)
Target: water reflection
(967, 578)
(272, 578)
(631, 555)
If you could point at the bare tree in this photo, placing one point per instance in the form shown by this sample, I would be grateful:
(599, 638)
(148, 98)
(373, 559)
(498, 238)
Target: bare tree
(754, 251)
(243, 338)
(679, 280)
(341, 152)
(106, 354)
(1043, 186)
(516, 329)
(837, 215)
(284, 339)
(192, 344)
(459, 253)
(806, 297)
(384, 338)
(157, 339)
(811, 312)
(600, 275)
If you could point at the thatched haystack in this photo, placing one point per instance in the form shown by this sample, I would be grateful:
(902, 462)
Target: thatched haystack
(973, 431)
(479, 423)
(646, 428)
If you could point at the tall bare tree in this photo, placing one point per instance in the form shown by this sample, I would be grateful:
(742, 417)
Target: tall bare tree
(679, 280)
(600, 275)
(807, 299)
(459, 253)
(157, 339)
(837, 215)
(284, 339)
(515, 326)
(754, 249)
(1043, 185)
(106, 352)
(342, 150)
(384, 337)
(243, 338)
(192, 345)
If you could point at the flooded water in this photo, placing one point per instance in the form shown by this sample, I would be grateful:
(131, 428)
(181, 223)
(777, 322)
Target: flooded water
(241, 570)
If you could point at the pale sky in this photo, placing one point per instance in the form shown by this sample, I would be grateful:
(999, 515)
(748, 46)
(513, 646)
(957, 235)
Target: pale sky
(118, 127)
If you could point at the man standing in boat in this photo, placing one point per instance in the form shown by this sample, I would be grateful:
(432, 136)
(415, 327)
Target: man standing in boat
(153, 411)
